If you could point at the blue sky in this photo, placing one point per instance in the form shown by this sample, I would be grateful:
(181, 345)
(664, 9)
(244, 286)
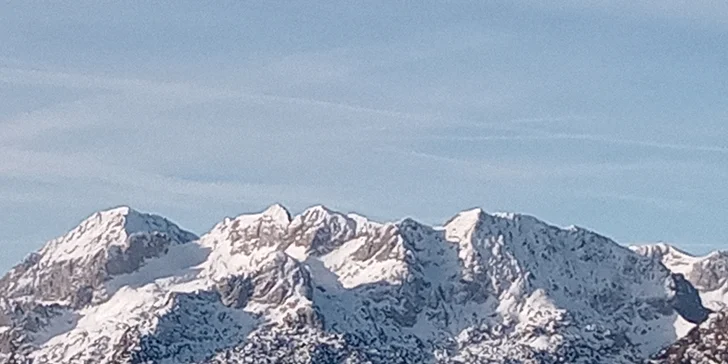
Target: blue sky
(606, 114)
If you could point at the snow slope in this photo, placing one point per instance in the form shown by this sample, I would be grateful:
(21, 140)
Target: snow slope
(705, 344)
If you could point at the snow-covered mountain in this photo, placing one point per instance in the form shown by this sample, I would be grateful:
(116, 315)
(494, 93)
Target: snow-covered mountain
(328, 287)
(708, 342)
(709, 274)
(705, 344)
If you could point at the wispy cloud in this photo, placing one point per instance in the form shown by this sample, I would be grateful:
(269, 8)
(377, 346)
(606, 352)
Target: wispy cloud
(71, 115)
(15, 196)
(642, 143)
(527, 169)
(187, 91)
(702, 12)
(604, 139)
(663, 203)
(79, 169)
(551, 119)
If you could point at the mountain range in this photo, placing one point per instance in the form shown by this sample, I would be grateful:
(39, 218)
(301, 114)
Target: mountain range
(329, 287)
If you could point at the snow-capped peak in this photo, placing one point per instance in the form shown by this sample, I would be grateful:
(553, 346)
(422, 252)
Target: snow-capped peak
(278, 212)
(660, 250)
(107, 228)
(709, 273)
(468, 217)
(107, 243)
(673, 258)
(117, 211)
(463, 223)
(320, 215)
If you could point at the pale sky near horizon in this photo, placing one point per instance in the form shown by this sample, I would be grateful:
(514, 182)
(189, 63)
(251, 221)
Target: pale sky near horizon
(605, 114)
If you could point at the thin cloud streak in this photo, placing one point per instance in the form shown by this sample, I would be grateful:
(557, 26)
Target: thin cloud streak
(60, 168)
(174, 89)
(60, 116)
(696, 12)
(527, 170)
(663, 203)
(584, 137)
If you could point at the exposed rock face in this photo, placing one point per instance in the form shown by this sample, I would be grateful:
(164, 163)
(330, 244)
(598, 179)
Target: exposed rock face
(708, 342)
(708, 274)
(327, 287)
(712, 273)
(705, 344)
(235, 291)
(106, 244)
(70, 272)
(687, 301)
(25, 322)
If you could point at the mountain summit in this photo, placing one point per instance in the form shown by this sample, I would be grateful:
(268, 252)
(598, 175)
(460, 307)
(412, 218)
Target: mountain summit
(328, 287)
(709, 274)
(707, 342)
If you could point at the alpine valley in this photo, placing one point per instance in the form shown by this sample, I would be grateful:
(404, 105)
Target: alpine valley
(326, 287)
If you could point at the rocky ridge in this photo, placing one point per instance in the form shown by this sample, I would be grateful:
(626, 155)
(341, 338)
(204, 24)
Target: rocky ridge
(706, 343)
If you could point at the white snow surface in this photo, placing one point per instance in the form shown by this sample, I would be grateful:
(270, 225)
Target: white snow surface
(101, 230)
